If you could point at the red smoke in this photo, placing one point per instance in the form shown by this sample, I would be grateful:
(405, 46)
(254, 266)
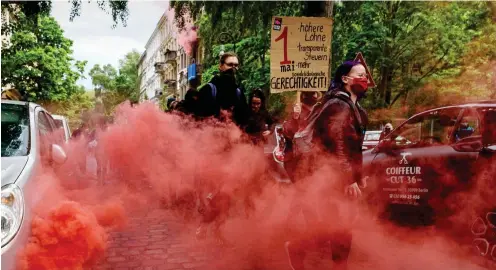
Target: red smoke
(163, 160)
(187, 36)
(69, 238)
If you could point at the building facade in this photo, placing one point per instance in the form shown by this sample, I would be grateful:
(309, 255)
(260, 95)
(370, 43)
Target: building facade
(165, 68)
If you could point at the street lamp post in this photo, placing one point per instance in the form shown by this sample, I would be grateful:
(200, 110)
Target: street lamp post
(226, 37)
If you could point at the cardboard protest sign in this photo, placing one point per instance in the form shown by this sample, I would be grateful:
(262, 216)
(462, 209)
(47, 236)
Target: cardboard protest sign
(359, 58)
(299, 54)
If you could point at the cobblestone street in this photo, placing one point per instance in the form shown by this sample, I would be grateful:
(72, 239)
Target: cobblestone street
(158, 240)
(153, 241)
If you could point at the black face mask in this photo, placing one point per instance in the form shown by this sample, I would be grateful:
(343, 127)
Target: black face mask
(228, 75)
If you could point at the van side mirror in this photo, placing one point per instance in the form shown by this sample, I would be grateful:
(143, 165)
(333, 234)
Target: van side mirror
(469, 144)
(58, 154)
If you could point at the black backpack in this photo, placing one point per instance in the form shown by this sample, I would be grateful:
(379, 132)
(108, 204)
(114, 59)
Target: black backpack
(303, 140)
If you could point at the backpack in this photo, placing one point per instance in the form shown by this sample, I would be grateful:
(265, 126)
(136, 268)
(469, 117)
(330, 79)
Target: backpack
(214, 91)
(303, 140)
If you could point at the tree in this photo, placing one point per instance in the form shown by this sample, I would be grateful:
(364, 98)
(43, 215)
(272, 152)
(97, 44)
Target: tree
(116, 86)
(103, 78)
(38, 60)
(127, 82)
(248, 23)
(34, 9)
(73, 107)
(405, 43)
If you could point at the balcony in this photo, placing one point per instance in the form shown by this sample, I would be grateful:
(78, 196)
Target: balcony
(160, 67)
(170, 83)
(170, 56)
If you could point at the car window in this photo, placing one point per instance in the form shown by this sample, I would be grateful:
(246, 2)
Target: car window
(51, 121)
(488, 126)
(372, 137)
(44, 130)
(15, 130)
(58, 123)
(468, 126)
(432, 128)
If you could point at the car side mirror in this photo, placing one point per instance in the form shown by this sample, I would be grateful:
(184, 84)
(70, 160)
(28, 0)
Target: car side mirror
(58, 154)
(469, 144)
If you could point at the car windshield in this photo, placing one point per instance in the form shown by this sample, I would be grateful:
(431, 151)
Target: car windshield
(430, 128)
(372, 136)
(15, 130)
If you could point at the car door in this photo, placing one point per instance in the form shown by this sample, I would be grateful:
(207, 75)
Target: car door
(409, 164)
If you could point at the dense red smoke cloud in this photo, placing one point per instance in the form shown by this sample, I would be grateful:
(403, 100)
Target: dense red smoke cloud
(162, 160)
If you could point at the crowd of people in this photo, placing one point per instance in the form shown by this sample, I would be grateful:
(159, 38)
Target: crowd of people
(331, 124)
(334, 123)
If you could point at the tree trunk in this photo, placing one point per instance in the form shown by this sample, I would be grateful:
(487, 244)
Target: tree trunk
(328, 7)
(492, 6)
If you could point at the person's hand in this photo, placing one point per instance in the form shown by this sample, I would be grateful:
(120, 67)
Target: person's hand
(353, 190)
(296, 111)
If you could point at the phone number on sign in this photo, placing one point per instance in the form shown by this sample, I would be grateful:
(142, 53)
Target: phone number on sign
(404, 196)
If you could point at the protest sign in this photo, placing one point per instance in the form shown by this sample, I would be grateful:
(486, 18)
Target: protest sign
(300, 53)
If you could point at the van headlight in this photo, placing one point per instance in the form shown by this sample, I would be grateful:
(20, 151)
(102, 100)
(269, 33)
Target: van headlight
(12, 212)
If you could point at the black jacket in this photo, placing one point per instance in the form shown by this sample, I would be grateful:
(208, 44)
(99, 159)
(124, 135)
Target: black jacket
(341, 136)
(257, 123)
(226, 98)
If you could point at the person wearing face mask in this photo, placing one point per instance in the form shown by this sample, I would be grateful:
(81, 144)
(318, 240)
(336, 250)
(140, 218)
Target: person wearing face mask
(339, 130)
(260, 123)
(221, 97)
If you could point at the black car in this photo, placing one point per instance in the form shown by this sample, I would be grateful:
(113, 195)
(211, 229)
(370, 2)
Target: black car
(438, 168)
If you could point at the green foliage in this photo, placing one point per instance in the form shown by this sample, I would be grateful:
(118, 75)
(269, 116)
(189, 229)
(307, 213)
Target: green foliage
(116, 86)
(34, 9)
(73, 107)
(405, 43)
(38, 60)
(445, 47)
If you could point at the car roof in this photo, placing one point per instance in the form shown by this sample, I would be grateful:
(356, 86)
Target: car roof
(17, 102)
(58, 117)
(478, 104)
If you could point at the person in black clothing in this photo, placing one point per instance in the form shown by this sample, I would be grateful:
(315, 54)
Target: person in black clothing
(225, 99)
(260, 123)
(189, 105)
(339, 131)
